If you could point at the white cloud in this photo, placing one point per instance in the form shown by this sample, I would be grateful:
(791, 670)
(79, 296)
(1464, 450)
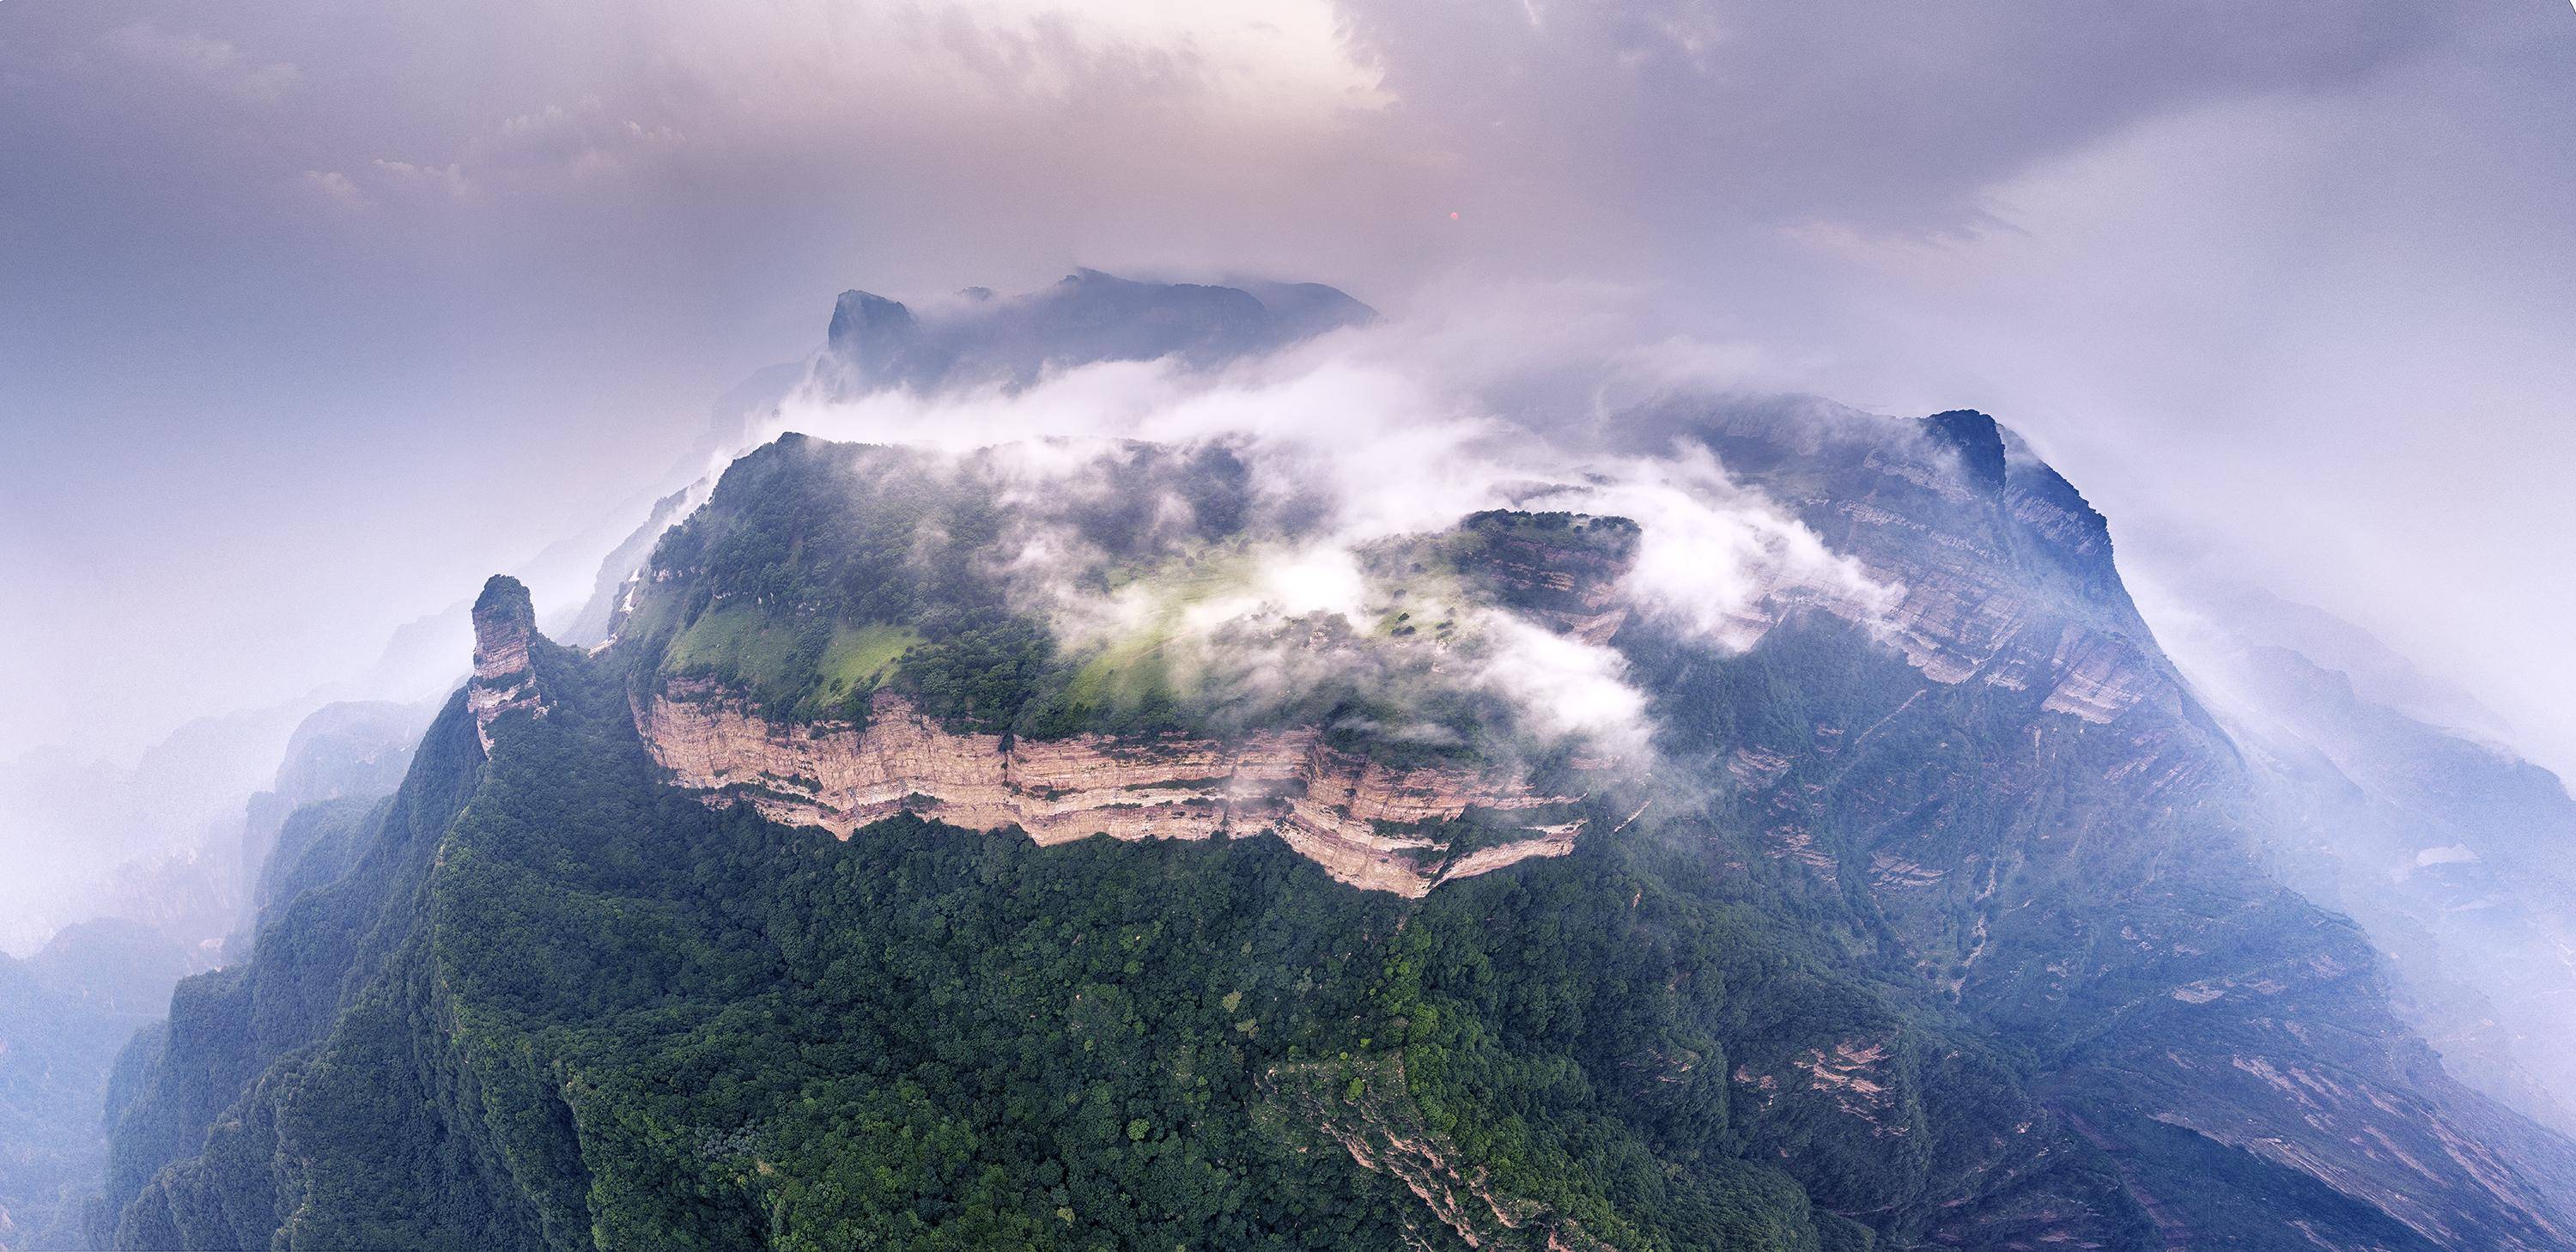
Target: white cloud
(1712, 556)
(1370, 436)
(1564, 686)
(211, 64)
(933, 90)
(336, 187)
(402, 177)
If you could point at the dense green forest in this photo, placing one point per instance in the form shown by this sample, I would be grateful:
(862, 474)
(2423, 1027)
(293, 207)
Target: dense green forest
(64, 1011)
(1867, 962)
(596, 1012)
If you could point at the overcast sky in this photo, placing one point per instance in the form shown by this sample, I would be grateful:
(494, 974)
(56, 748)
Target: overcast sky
(311, 314)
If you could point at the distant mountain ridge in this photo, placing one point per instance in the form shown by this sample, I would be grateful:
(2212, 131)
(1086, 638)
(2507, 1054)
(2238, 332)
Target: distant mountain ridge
(2457, 855)
(1086, 318)
(65, 1010)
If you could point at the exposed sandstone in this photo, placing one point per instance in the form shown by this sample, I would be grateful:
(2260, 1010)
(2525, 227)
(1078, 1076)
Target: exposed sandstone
(505, 625)
(1335, 808)
(2097, 676)
(1957, 622)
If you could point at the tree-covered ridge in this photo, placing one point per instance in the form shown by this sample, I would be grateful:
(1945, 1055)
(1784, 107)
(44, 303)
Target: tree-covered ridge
(64, 1011)
(1875, 959)
(819, 572)
(628, 1021)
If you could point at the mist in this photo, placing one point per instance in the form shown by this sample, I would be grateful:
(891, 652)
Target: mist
(1361, 451)
(318, 316)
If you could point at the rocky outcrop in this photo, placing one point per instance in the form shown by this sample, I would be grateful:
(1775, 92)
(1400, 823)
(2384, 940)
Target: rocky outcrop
(505, 626)
(1361, 820)
(1561, 569)
(2000, 572)
(1364, 1106)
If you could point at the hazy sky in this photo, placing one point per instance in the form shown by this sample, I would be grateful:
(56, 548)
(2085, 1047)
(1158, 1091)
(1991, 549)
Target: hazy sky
(311, 314)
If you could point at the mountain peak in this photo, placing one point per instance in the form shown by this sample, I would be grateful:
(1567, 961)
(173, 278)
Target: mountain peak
(503, 599)
(1087, 316)
(869, 330)
(1977, 440)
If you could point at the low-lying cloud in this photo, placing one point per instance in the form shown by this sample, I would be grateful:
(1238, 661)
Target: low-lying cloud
(1353, 447)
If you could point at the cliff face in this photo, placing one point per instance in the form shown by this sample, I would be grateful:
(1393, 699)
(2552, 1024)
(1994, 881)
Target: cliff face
(2057, 834)
(1937, 923)
(2002, 571)
(1327, 805)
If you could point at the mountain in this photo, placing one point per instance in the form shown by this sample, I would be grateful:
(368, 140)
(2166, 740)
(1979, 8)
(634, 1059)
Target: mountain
(874, 344)
(2227, 613)
(64, 1012)
(1100, 843)
(149, 842)
(1086, 318)
(2458, 856)
(353, 751)
(70, 1008)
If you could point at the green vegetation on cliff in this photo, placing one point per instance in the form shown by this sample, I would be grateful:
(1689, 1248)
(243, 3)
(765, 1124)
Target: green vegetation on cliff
(1107, 588)
(556, 1004)
(1872, 961)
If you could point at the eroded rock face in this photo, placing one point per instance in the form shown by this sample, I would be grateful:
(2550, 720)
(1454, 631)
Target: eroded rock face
(1380, 1125)
(2002, 573)
(1328, 805)
(505, 623)
(2088, 871)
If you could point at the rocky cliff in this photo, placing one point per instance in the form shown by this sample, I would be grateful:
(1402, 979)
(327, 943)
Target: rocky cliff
(504, 623)
(1361, 820)
(1979, 606)
(2059, 835)
(1936, 921)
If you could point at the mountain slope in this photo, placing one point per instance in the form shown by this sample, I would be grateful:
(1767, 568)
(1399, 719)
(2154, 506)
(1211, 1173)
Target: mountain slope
(1934, 916)
(2093, 883)
(2458, 856)
(64, 1012)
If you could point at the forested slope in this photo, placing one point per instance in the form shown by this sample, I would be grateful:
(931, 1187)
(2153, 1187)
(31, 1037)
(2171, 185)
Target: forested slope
(1936, 927)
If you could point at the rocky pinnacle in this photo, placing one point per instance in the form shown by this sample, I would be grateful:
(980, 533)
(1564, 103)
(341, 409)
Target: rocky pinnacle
(505, 623)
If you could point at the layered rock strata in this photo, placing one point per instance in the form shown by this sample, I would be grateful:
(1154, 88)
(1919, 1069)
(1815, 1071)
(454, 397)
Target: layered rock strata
(1994, 569)
(1344, 812)
(505, 622)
